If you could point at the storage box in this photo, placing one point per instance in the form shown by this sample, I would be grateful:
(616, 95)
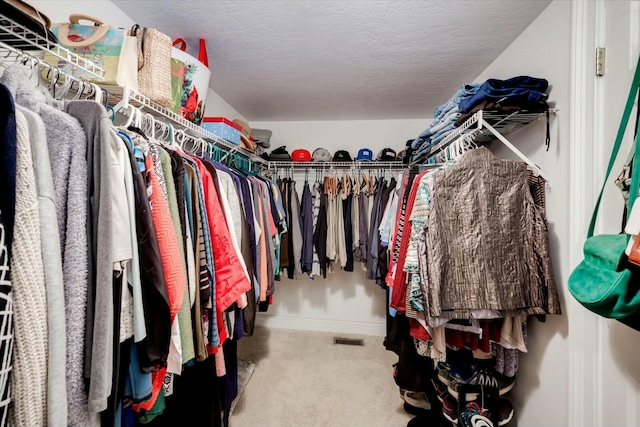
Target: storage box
(222, 127)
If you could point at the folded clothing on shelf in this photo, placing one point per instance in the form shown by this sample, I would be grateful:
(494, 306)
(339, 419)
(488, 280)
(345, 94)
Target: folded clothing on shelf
(514, 94)
(280, 154)
(516, 90)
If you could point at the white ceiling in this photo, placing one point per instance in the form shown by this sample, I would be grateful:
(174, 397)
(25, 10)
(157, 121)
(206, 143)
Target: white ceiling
(340, 59)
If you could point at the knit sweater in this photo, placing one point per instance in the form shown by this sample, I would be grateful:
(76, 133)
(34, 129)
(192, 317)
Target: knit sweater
(57, 403)
(31, 342)
(95, 121)
(6, 320)
(67, 153)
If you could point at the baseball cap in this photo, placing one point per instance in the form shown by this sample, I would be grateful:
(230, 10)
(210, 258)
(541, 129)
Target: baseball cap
(342, 156)
(386, 155)
(262, 137)
(300, 155)
(365, 154)
(321, 155)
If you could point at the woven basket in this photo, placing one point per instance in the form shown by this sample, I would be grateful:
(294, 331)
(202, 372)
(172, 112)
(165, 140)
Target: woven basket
(154, 65)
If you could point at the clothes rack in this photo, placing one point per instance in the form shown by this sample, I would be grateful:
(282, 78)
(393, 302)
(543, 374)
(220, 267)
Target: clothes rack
(126, 97)
(483, 126)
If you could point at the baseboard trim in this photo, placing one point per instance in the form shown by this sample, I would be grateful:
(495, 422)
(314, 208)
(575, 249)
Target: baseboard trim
(321, 325)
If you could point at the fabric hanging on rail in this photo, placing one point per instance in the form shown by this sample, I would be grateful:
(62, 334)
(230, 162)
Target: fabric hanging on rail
(306, 224)
(155, 258)
(6, 322)
(457, 311)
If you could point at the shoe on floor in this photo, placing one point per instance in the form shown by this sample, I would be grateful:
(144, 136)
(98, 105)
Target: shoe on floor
(443, 372)
(417, 400)
(482, 377)
(441, 390)
(505, 412)
(414, 410)
(450, 409)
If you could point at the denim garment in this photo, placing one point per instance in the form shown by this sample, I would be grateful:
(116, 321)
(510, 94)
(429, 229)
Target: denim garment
(525, 88)
(451, 114)
(452, 117)
(422, 151)
(465, 91)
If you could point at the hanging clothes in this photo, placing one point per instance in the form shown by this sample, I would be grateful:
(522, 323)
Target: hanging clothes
(306, 223)
(6, 319)
(156, 263)
(295, 231)
(347, 198)
(504, 287)
(315, 201)
(320, 234)
(31, 342)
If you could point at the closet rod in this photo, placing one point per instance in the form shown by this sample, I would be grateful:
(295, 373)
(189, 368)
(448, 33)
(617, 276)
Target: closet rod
(16, 55)
(337, 165)
(126, 96)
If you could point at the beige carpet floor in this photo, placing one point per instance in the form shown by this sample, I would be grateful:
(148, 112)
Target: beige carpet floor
(303, 379)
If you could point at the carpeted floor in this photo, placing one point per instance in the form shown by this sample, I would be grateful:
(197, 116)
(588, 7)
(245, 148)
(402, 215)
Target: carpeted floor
(245, 371)
(302, 379)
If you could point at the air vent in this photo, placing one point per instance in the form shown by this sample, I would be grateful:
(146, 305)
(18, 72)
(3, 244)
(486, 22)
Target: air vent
(348, 341)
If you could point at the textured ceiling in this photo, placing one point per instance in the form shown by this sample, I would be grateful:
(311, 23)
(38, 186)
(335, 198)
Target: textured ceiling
(332, 60)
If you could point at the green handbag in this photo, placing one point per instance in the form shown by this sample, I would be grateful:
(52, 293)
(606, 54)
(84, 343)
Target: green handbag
(602, 282)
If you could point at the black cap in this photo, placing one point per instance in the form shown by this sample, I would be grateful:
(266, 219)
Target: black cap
(342, 156)
(386, 155)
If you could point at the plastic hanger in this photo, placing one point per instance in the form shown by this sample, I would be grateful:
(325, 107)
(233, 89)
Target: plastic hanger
(97, 93)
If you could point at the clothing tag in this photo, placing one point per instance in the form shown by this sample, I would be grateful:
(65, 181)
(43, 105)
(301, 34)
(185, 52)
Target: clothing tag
(167, 385)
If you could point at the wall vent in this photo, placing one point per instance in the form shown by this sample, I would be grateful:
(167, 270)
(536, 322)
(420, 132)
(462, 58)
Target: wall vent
(348, 341)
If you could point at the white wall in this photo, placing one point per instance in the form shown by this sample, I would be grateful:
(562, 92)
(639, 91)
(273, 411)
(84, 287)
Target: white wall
(218, 107)
(105, 10)
(344, 302)
(543, 50)
(350, 135)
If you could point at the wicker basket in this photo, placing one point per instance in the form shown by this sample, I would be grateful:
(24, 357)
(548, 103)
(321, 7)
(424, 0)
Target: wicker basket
(154, 64)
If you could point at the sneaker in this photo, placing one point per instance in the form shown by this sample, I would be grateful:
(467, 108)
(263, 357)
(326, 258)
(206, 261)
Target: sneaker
(462, 372)
(476, 407)
(450, 409)
(417, 400)
(482, 377)
(441, 390)
(505, 412)
(402, 391)
(443, 372)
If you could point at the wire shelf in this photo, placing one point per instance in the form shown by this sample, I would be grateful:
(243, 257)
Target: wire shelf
(125, 96)
(17, 36)
(336, 165)
(502, 122)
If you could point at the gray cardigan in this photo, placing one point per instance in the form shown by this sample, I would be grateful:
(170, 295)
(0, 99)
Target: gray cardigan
(67, 153)
(95, 121)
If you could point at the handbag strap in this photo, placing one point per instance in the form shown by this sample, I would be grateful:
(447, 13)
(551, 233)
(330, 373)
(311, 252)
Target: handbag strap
(182, 43)
(202, 54)
(63, 32)
(635, 174)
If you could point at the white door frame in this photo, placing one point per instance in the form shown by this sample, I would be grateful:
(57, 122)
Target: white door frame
(585, 177)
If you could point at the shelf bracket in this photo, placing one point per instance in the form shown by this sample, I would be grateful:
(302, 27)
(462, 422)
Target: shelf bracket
(517, 152)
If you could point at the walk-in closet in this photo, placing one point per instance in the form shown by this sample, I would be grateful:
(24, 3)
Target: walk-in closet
(348, 213)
